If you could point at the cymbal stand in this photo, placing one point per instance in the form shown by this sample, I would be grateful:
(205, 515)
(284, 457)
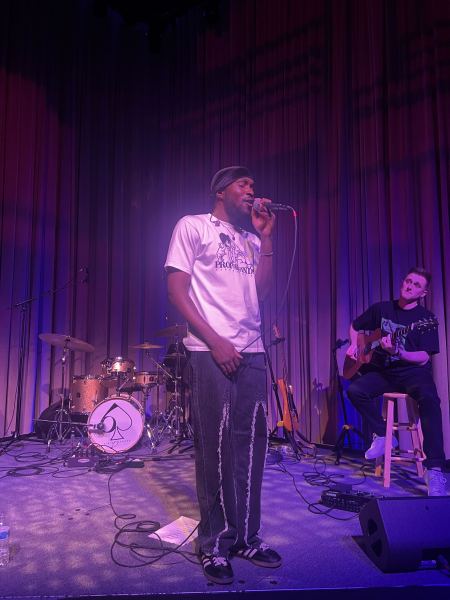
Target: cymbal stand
(177, 408)
(159, 422)
(182, 429)
(57, 426)
(159, 367)
(120, 379)
(63, 412)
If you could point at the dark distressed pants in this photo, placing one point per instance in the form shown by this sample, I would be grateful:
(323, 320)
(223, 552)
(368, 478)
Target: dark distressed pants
(230, 440)
(418, 383)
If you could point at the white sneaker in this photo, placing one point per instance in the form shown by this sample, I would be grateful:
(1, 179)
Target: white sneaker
(377, 447)
(436, 482)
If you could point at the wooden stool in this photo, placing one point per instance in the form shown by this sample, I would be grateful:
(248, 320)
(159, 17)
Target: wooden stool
(412, 424)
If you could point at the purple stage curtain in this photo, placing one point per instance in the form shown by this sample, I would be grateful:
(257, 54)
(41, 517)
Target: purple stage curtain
(340, 109)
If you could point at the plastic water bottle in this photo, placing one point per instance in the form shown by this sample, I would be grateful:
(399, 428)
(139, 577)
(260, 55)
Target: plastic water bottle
(4, 542)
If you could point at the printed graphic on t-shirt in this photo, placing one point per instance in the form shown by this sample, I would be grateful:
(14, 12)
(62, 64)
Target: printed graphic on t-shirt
(231, 257)
(389, 327)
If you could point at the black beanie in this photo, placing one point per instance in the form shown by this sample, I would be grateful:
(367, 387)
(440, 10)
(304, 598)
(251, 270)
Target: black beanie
(226, 176)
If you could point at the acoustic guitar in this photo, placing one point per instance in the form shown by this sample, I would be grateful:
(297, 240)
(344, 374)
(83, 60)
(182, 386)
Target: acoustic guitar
(366, 344)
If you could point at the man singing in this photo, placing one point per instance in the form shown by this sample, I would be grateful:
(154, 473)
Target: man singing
(217, 272)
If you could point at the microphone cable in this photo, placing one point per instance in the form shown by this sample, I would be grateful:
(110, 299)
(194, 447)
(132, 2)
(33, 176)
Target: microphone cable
(288, 281)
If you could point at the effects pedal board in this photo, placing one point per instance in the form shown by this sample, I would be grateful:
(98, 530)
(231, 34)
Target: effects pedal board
(346, 500)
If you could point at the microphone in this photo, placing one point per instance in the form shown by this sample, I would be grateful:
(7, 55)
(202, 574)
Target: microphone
(258, 205)
(100, 426)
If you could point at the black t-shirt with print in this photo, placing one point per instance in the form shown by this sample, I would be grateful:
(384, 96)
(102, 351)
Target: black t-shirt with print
(388, 316)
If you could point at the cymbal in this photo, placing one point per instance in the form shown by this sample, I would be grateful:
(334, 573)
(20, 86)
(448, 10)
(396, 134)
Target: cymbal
(173, 331)
(147, 346)
(66, 341)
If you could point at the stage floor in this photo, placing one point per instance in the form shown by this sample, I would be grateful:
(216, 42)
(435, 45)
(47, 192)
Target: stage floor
(65, 524)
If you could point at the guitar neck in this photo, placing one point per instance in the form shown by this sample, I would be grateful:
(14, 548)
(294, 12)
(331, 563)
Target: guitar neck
(376, 343)
(400, 331)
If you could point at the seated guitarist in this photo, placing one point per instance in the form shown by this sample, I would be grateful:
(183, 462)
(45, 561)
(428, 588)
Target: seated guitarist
(402, 365)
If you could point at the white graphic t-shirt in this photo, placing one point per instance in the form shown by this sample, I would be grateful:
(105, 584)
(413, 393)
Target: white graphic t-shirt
(222, 263)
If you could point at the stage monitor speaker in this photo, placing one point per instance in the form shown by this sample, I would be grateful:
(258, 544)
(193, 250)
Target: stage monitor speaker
(398, 533)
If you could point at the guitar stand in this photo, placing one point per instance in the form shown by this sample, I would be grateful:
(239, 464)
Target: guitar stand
(346, 428)
(288, 436)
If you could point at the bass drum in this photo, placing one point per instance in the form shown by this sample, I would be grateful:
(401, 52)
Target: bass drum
(116, 424)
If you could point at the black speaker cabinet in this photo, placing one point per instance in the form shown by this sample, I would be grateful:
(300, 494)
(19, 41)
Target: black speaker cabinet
(398, 533)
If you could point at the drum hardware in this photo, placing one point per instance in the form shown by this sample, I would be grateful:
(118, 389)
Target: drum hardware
(182, 428)
(158, 425)
(175, 331)
(117, 372)
(173, 419)
(143, 381)
(83, 453)
(146, 382)
(63, 425)
(176, 418)
(158, 422)
(124, 386)
(154, 429)
(147, 346)
(70, 425)
(66, 341)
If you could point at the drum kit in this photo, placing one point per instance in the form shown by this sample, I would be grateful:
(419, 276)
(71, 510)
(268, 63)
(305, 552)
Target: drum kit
(118, 406)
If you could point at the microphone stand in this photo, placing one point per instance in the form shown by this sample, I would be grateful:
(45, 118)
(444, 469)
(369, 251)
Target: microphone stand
(346, 428)
(24, 323)
(23, 306)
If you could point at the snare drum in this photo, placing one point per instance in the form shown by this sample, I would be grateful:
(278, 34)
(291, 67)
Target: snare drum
(85, 392)
(116, 424)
